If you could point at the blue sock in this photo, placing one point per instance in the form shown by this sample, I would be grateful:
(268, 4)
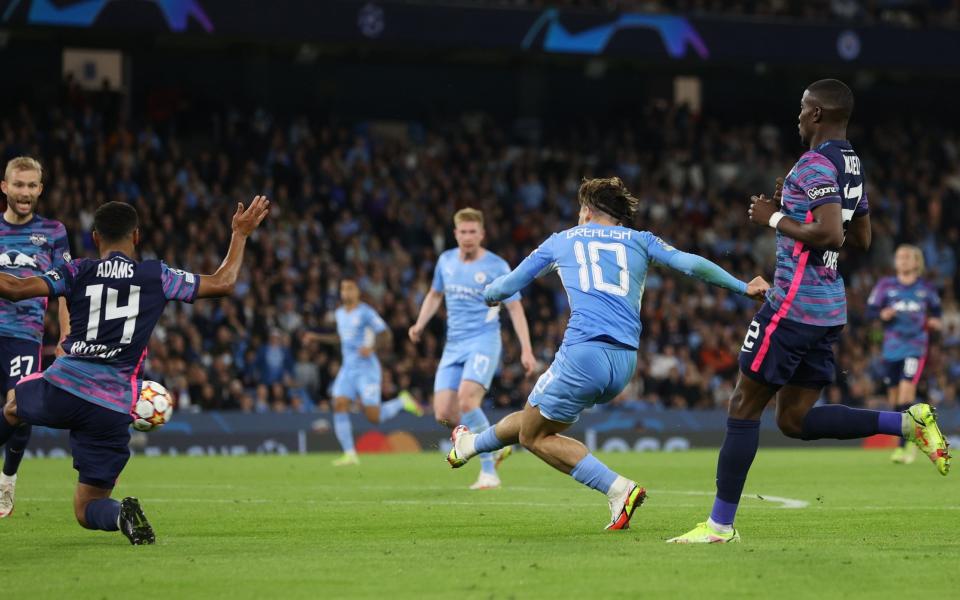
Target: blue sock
(390, 408)
(478, 423)
(16, 445)
(839, 422)
(6, 429)
(488, 441)
(343, 429)
(102, 514)
(593, 473)
(736, 455)
(900, 408)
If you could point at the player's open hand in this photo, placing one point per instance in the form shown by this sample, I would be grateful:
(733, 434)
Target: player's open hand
(761, 208)
(246, 220)
(529, 362)
(757, 288)
(888, 313)
(365, 351)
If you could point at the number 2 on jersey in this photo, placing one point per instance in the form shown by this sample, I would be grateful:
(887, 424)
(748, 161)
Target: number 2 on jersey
(128, 312)
(593, 253)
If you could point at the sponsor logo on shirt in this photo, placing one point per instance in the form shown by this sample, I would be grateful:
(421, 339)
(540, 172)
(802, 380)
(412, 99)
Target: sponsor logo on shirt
(820, 191)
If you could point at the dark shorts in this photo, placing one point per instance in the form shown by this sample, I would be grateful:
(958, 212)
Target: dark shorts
(780, 352)
(99, 437)
(18, 358)
(907, 369)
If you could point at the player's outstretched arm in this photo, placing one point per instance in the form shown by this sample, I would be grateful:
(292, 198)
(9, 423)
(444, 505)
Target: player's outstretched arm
(20, 288)
(705, 270)
(245, 221)
(321, 338)
(539, 263)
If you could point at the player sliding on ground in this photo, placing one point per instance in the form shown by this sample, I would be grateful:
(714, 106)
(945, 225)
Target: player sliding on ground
(115, 302)
(788, 351)
(603, 266)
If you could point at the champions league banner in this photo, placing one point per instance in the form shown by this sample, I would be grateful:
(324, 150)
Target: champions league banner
(238, 434)
(655, 37)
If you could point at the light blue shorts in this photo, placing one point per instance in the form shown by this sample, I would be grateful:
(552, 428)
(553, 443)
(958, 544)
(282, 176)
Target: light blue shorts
(475, 359)
(358, 382)
(582, 375)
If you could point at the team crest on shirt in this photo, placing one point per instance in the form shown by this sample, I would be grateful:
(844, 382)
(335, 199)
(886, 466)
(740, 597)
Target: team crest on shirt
(480, 277)
(38, 239)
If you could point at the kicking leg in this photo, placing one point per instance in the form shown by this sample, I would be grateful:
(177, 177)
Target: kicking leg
(466, 445)
(542, 437)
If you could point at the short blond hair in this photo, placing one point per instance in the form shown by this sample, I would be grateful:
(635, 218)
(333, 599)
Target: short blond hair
(918, 253)
(23, 163)
(468, 214)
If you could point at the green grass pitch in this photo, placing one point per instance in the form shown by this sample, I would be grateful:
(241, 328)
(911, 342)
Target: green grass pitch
(406, 526)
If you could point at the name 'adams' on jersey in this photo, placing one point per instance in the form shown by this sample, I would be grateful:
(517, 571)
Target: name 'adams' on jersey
(114, 304)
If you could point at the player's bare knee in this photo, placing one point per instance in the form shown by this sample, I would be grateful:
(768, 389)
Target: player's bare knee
(80, 512)
(447, 418)
(790, 424)
(10, 409)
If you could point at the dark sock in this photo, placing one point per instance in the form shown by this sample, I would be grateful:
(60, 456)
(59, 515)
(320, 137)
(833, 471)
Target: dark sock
(838, 422)
(6, 430)
(736, 455)
(16, 445)
(102, 514)
(902, 408)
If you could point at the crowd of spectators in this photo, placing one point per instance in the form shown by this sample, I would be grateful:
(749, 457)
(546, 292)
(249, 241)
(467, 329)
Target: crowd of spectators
(375, 199)
(897, 13)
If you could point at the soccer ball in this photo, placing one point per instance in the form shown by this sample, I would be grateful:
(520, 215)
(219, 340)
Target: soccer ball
(154, 408)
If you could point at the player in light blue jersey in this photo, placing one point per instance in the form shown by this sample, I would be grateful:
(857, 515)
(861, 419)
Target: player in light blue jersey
(472, 352)
(29, 245)
(909, 308)
(361, 333)
(603, 267)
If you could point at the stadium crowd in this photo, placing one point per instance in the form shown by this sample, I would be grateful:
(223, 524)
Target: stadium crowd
(896, 13)
(375, 200)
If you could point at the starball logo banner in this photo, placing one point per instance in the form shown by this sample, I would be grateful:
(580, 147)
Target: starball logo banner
(178, 14)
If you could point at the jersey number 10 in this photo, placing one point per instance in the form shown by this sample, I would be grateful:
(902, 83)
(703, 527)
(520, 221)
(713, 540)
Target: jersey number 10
(593, 268)
(112, 311)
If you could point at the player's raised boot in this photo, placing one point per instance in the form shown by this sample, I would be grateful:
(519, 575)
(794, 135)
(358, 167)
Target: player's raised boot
(8, 484)
(922, 430)
(410, 403)
(486, 481)
(623, 506)
(501, 455)
(133, 523)
(348, 459)
(464, 447)
(703, 533)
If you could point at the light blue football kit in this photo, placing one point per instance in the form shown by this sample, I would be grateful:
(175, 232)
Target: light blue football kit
(603, 269)
(473, 347)
(358, 376)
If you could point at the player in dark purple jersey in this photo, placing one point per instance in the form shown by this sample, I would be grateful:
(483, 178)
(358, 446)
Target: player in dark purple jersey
(29, 245)
(909, 308)
(115, 303)
(788, 350)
